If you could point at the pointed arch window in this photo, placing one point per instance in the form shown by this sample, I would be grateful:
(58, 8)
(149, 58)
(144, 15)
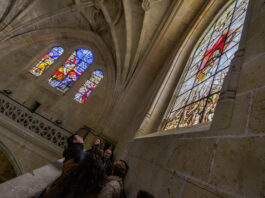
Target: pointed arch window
(67, 74)
(89, 86)
(197, 94)
(47, 61)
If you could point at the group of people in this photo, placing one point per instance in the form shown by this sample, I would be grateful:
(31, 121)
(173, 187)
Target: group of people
(88, 174)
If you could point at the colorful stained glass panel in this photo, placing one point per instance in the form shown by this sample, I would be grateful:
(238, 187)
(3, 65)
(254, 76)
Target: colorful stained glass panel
(70, 71)
(47, 61)
(192, 71)
(192, 114)
(200, 91)
(89, 86)
(181, 101)
(187, 85)
(210, 107)
(174, 119)
(218, 80)
(207, 68)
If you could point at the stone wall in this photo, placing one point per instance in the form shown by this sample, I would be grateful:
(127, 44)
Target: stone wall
(30, 184)
(225, 159)
(7, 171)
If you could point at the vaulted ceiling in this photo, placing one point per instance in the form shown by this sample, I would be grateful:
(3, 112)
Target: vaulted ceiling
(127, 27)
(140, 35)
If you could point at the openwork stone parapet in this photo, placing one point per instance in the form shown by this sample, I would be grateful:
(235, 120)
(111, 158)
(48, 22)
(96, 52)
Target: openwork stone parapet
(33, 122)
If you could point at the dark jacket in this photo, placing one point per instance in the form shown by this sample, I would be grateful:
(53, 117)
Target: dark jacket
(112, 189)
(74, 151)
(107, 165)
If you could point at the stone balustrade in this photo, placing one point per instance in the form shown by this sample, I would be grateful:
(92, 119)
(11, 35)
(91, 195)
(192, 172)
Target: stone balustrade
(33, 123)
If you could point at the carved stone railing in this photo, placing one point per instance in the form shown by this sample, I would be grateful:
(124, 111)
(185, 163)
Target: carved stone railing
(33, 122)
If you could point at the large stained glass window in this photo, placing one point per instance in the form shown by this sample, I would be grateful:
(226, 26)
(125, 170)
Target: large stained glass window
(89, 86)
(197, 94)
(69, 72)
(47, 61)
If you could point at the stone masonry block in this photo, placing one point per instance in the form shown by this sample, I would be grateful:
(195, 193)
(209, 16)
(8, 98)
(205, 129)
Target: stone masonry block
(251, 76)
(239, 166)
(192, 191)
(256, 119)
(193, 157)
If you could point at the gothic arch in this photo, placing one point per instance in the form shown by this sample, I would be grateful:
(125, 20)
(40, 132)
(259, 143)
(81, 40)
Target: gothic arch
(12, 159)
(70, 39)
(176, 66)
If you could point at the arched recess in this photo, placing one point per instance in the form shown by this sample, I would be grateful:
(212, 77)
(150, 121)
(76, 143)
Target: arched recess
(74, 39)
(177, 64)
(9, 166)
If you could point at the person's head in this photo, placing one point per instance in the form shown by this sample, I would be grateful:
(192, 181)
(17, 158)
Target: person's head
(120, 168)
(97, 142)
(107, 153)
(75, 139)
(78, 139)
(87, 178)
(98, 148)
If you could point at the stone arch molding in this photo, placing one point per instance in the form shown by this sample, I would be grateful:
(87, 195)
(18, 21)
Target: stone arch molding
(179, 58)
(12, 159)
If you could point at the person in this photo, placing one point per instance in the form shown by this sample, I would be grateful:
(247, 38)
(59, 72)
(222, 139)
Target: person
(97, 141)
(107, 161)
(97, 145)
(114, 187)
(87, 180)
(74, 149)
(73, 154)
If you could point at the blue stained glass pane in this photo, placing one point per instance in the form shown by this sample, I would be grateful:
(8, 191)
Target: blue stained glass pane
(71, 70)
(47, 61)
(89, 86)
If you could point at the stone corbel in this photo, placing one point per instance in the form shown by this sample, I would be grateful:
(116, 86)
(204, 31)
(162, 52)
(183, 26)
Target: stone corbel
(146, 4)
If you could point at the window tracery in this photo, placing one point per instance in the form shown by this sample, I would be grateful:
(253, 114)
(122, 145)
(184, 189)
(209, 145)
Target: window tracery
(89, 86)
(67, 74)
(196, 96)
(47, 61)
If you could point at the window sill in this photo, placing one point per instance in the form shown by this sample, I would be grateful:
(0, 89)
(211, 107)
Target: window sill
(179, 131)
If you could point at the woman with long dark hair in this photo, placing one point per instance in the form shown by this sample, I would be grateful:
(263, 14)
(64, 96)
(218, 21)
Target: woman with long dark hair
(85, 181)
(88, 180)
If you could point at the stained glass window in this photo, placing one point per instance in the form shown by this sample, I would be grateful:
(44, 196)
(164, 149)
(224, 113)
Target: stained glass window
(69, 72)
(89, 86)
(47, 61)
(197, 94)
